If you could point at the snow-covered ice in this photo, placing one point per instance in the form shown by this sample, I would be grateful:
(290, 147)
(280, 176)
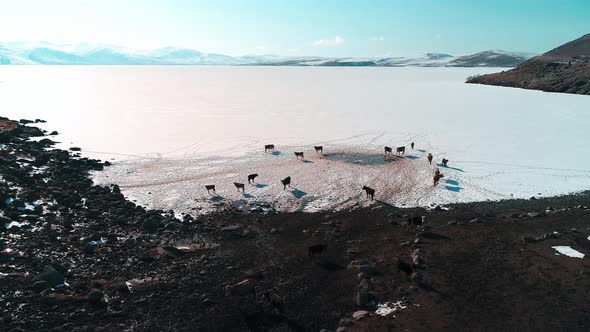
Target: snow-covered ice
(568, 251)
(172, 130)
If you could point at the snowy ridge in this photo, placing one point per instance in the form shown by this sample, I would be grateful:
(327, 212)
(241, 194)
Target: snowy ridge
(43, 53)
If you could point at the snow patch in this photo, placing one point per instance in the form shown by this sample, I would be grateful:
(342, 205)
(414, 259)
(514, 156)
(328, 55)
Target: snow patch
(568, 251)
(384, 309)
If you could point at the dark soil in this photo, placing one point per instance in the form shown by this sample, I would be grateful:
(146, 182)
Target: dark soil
(83, 258)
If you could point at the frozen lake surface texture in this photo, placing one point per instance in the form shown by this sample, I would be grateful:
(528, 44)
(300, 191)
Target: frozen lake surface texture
(172, 130)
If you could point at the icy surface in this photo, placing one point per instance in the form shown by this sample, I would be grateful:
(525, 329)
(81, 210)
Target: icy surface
(568, 251)
(172, 130)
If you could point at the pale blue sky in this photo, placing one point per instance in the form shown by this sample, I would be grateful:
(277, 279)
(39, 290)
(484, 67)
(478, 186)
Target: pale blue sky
(302, 27)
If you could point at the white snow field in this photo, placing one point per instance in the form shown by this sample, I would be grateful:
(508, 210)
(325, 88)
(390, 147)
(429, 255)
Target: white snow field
(172, 130)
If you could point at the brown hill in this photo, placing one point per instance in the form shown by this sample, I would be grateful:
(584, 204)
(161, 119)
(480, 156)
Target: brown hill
(564, 69)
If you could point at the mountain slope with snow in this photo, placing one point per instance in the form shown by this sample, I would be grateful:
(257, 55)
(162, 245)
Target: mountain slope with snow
(86, 54)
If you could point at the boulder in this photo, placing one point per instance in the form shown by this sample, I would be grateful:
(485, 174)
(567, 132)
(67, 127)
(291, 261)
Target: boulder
(51, 276)
(358, 315)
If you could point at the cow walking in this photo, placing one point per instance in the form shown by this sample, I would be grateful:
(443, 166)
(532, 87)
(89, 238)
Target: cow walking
(369, 191)
(319, 149)
(430, 158)
(437, 177)
(445, 162)
(269, 147)
(388, 150)
(316, 250)
(299, 154)
(400, 150)
(251, 177)
(209, 188)
(240, 186)
(286, 182)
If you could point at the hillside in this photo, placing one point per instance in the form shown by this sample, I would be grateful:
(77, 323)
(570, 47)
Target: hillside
(564, 69)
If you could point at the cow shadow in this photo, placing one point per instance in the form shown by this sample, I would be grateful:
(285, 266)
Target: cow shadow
(452, 182)
(453, 188)
(217, 198)
(420, 150)
(298, 193)
(276, 153)
(331, 266)
(447, 167)
(247, 195)
(260, 185)
(412, 157)
(308, 161)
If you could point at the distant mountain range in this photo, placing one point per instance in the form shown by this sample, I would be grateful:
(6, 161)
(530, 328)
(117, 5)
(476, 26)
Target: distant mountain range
(85, 54)
(563, 69)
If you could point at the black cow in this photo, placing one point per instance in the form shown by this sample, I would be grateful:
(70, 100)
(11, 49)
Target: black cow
(251, 177)
(388, 150)
(369, 191)
(400, 150)
(269, 147)
(210, 187)
(316, 250)
(299, 154)
(286, 182)
(319, 149)
(445, 162)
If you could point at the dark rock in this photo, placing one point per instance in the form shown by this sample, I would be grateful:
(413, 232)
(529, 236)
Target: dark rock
(51, 276)
(40, 286)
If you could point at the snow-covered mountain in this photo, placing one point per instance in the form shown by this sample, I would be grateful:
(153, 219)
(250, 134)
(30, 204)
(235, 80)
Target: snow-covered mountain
(86, 54)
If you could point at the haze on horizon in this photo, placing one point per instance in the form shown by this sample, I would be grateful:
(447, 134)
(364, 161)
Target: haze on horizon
(305, 27)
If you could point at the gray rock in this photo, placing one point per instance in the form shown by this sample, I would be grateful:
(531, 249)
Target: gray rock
(40, 286)
(51, 276)
(358, 315)
(452, 222)
(232, 228)
(362, 298)
(474, 221)
(533, 214)
(241, 288)
(96, 296)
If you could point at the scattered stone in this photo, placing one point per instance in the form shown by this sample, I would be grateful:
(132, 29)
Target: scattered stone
(358, 315)
(474, 221)
(452, 222)
(243, 287)
(533, 214)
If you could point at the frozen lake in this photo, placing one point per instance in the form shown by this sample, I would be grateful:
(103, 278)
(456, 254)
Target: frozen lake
(171, 130)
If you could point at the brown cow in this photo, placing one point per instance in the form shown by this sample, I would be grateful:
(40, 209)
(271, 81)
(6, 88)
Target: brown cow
(369, 191)
(240, 186)
(210, 187)
(445, 162)
(430, 158)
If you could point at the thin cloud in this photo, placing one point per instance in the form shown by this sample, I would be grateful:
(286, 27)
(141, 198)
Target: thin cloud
(329, 42)
(377, 38)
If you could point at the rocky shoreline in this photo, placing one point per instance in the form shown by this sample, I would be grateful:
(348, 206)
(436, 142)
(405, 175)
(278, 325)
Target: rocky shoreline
(75, 256)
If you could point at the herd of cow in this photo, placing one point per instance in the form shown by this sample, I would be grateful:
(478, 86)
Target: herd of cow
(370, 192)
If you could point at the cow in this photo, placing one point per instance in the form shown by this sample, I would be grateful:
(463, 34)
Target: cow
(369, 191)
(412, 145)
(286, 182)
(210, 187)
(316, 250)
(269, 147)
(319, 149)
(445, 162)
(299, 154)
(437, 177)
(400, 150)
(251, 177)
(430, 158)
(388, 150)
(240, 186)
